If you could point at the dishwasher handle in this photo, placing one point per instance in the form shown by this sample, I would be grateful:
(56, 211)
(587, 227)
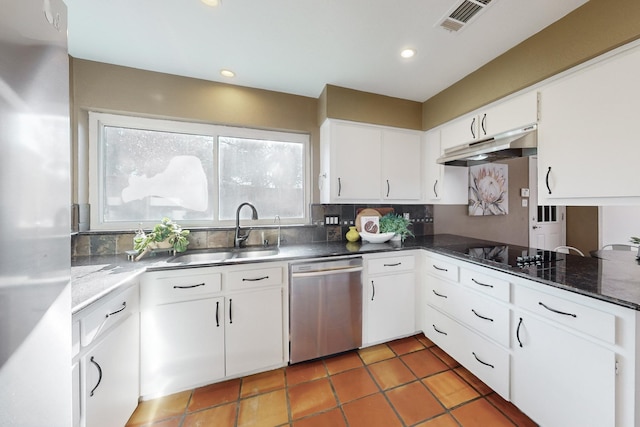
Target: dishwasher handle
(327, 272)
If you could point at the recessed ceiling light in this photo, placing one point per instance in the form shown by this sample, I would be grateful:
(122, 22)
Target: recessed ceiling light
(408, 53)
(212, 3)
(227, 73)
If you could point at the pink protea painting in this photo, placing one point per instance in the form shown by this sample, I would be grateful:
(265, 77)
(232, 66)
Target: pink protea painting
(488, 189)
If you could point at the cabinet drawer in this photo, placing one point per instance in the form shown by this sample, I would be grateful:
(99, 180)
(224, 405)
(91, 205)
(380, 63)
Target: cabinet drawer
(246, 279)
(444, 295)
(443, 269)
(487, 361)
(487, 317)
(174, 288)
(497, 288)
(391, 264)
(585, 319)
(107, 314)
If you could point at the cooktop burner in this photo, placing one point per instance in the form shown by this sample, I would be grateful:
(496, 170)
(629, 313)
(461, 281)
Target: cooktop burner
(516, 256)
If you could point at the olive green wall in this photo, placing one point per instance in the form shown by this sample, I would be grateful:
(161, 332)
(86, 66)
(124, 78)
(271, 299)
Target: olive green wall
(596, 27)
(349, 104)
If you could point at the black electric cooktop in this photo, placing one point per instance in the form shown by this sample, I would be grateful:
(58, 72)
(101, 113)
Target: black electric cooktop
(513, 256)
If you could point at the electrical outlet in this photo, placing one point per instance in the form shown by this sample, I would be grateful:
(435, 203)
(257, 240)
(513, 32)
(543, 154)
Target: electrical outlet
(406, 215)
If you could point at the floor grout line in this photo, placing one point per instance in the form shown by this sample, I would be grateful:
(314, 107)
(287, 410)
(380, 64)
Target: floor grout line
(182, 417)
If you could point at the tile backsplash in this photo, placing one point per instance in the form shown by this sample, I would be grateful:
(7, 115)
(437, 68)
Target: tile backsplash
(328, 223)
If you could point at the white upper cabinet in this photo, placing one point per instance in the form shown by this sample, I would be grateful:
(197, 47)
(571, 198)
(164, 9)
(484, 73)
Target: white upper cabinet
(492, 120)
(442, 184)
(362, 162)
(588, 139)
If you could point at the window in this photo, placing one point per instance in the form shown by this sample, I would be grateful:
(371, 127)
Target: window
(144, 169)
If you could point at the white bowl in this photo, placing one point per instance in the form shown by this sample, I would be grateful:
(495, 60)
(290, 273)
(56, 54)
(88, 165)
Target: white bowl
(376, 237)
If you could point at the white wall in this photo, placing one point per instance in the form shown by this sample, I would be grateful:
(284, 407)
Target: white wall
(618, 223)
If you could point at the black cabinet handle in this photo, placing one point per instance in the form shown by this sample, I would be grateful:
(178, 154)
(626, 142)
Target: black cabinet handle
(564, 313)
(124, 305)
(439, 268)
(92, 360)
(481, 284)
(484, 120)
(439, 331)
(480, 316)
(217, 314)
(518, 332)
(439, 295)
(373, 290)
(230, 313)
(256, 279)
(393, 265)
(188, 286)
(339, 186)
(547, 179)
(388, 188)
(473, 134)
(484, 363)
(435, 184)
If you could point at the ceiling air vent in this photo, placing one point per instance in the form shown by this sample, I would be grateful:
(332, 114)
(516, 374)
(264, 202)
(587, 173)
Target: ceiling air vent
(462, 13)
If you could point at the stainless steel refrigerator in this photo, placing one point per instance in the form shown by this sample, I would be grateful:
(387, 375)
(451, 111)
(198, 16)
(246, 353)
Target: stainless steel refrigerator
(35, 312)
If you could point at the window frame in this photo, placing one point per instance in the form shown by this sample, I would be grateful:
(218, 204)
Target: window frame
(97, 122)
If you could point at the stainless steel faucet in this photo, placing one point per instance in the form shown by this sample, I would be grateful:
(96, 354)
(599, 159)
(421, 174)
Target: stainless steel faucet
(239, 239)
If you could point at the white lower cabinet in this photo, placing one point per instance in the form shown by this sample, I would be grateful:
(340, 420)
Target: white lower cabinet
(562, 358)
(202, 325)
(106, 363)
(111, 377)
(254, 331)
(182, 344)
(389, 298)
(560, 379)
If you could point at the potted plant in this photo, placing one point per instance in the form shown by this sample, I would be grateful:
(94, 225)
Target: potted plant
(166, 234)
(397, 224)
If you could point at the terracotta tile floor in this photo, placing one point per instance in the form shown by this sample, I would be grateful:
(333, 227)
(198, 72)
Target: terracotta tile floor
(407, 382)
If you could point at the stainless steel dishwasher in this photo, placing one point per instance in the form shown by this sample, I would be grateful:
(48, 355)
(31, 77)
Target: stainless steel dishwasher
(325, 306)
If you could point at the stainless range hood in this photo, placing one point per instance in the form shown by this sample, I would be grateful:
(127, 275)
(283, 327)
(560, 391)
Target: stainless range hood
(518, 143)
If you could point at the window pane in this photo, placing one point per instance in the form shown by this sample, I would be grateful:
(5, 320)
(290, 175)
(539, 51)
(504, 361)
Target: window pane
(269, 174)
(150, 174)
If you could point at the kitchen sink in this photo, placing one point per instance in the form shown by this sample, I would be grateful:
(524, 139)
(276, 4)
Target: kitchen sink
(214, 256)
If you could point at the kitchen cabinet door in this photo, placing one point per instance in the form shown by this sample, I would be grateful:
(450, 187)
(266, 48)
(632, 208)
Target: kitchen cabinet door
(111, 373)
(511, 114)
(390, 307)
(182, 345)
(443, 184)
(588, 143)
(560, 379)
(459, 131)
(401, 167)
(354, 154)
(254, 331)
(500, 117)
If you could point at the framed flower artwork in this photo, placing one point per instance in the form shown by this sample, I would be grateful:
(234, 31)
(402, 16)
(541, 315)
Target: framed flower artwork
(489, 189)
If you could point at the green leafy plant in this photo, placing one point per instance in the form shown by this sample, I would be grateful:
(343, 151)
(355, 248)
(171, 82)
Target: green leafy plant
(166, 230)
(395, 223)
(635, 240)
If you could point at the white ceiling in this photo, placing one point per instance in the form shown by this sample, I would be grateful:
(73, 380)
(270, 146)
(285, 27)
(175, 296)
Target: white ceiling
(299, 46)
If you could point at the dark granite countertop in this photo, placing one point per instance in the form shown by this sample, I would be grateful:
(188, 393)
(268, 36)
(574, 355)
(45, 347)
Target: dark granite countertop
(93, 277)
